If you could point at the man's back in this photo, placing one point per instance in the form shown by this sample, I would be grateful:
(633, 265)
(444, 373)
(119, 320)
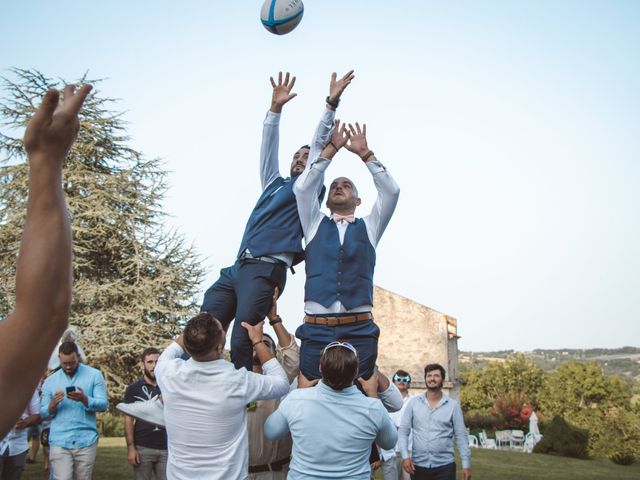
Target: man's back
(332, 431)
(205, 414)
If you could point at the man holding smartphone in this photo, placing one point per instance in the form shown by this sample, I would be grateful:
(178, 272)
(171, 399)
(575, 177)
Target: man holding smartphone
(70, 398)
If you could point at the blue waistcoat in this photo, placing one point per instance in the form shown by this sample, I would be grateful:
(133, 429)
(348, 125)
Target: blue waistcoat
(340, 272)
(274, 225)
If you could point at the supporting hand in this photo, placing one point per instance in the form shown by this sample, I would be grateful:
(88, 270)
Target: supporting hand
(254, 331)
(370, 386)
(54, 126)
(466, 474)
(272, 314)
(281, 92)
(304, 382)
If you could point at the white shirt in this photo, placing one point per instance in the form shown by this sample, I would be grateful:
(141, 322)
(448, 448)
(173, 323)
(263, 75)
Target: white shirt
(306, 190)
(205, 413)
(16, 439)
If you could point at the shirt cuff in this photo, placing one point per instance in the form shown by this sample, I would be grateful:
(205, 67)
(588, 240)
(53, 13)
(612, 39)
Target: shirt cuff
(321, 164)
(375, 167)
(272, 118)
(292, 345)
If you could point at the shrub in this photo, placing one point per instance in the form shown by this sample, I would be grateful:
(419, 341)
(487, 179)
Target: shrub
(563, 439)
(481, 420)
(110, 424)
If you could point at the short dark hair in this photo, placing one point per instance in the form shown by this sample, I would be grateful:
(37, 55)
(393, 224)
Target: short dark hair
(339, 367)
(67, 348)
(201, 334)
(305, 146)
(149, 351)
(435, 366)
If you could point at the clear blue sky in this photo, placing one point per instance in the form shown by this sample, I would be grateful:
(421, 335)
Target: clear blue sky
(511, 127)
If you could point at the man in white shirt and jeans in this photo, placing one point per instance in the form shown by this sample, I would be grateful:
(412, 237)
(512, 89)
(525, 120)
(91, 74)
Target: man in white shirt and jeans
(205, 400)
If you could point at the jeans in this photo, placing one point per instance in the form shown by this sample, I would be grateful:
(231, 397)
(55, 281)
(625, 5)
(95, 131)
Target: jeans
(11, 467)
(362, 335)
(445, 472)
(244, 291)
(151, 460)
(72, 463)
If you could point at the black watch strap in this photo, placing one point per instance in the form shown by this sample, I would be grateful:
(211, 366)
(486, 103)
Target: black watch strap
(333, 103)
(275, 320)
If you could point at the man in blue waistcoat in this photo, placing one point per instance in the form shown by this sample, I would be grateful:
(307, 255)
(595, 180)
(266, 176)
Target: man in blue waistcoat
(272, 241)
(341, 254)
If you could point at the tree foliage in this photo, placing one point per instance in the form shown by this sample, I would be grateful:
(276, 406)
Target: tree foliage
(134, 281)
(482, 388)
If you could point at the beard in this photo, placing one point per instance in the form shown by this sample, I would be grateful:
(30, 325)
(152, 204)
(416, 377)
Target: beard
(149, 375)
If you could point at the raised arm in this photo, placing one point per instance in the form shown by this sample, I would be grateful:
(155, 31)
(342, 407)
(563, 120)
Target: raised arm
(287, 346)
(269, 163)
(308, 186)
(43, 272)
(388, 190)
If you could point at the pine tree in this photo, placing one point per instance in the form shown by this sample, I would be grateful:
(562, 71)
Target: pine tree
(135, 282)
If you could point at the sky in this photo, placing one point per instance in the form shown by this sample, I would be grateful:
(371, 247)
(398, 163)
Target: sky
(511, 127)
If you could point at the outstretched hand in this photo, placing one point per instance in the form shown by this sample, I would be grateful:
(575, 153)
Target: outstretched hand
(281, 91)
(339, 138)
(358, 140)
(336, 87)
(53, 128)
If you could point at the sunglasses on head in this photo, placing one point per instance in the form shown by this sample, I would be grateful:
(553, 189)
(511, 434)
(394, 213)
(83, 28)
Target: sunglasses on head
(346, 345)
(398, 378)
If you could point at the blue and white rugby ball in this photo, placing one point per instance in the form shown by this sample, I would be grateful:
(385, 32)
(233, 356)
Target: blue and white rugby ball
(281, 16)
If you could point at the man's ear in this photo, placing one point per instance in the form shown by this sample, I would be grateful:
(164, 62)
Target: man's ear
(358, 202)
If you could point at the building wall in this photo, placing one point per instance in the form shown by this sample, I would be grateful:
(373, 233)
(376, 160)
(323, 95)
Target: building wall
(413, 335)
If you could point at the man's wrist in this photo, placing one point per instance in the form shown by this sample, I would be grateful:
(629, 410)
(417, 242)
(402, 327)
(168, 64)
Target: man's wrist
(333, 102)
(366, 156)
(276, 107)
(275, 320)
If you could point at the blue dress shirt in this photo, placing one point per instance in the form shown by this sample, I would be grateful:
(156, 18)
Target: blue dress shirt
(332, 432)
(73, 425)
(433, 429)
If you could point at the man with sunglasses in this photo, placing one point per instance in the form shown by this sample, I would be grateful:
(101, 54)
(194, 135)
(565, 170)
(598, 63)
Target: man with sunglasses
(392, 459)
(333, 425)
(340, 253)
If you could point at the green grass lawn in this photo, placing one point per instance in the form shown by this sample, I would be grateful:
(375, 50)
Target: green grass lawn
(487, 464)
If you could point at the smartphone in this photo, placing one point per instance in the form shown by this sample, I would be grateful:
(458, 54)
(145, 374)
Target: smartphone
(70, 390)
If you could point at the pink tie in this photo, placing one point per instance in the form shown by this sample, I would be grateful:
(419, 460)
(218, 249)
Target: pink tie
(342, 218)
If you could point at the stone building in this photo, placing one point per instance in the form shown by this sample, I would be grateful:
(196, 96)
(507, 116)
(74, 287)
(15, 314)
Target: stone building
(412, 335)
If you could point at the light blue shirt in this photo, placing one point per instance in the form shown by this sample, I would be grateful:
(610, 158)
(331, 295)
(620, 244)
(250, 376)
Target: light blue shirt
(433, 431)
(332, 432)
(74, 425)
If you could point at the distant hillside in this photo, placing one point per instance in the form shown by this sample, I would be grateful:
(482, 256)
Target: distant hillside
(615, 361)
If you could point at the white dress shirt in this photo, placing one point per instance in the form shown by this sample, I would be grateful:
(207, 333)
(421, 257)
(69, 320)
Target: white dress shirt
(205, 413)
(306, 188)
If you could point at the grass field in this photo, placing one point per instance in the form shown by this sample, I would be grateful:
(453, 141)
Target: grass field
(487, 465)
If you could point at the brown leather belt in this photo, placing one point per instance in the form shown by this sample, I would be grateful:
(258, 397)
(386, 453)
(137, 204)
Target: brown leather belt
(270, 467)
(336, 321)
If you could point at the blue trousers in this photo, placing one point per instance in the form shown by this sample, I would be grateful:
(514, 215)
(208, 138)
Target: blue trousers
(244, 292)
(445, 472)
(362, 335)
